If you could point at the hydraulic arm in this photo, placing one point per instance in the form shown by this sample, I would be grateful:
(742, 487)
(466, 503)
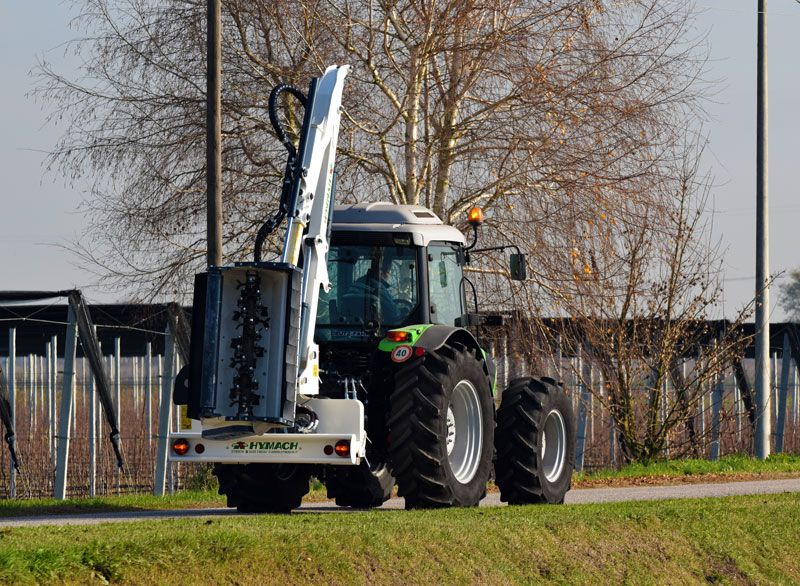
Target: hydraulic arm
(311, 210)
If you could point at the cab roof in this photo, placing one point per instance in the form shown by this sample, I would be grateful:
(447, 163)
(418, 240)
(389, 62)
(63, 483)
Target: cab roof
(419, 221)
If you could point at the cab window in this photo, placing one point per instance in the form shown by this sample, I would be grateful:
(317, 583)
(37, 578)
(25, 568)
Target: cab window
(371, 286)
(444, 283)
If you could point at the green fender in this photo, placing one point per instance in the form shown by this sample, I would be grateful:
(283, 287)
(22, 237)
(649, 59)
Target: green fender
(431, 337)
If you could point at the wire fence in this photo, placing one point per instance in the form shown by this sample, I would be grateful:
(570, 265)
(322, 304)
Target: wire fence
(141, 384)
(719, 418)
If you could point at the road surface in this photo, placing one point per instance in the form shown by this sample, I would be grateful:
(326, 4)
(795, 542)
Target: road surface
(579, 496)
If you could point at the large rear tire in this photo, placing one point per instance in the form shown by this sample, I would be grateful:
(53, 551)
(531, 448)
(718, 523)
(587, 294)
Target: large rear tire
(360, 487)
(441, 428)
(263, 488)
(535, 442)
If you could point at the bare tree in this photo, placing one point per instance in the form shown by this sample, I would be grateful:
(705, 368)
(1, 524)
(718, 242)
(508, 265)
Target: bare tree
(643, 300)
(546, 113)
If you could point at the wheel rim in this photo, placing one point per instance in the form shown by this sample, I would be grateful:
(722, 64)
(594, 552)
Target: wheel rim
(554, 446)
(464, 439)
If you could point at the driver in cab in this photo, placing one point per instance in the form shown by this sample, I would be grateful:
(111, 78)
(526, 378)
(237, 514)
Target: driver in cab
(376, 287)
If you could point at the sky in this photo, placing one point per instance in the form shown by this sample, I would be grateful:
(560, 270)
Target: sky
(40, 214)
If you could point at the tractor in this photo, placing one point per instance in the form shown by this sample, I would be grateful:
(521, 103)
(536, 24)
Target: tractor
(355, 357)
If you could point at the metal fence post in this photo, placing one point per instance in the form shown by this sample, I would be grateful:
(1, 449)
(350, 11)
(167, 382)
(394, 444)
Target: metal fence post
(583, 403)
(37, 396)
(702, 385)
(737, 403)
(590, 372)
(33, 405)
(612, 441)
(135, 377)
(12, 393)
(774, 389)
(148, 390)
(784, 394)
(92, 437)
(665, 406)
(178, 421)
(51, 400)
(48, 393)
(118, 396)
(67, 399)
(32, 386)
(164, 414)
(117, 378)
(716, 409)
(78, 395)
(795, 397)
(559, 359)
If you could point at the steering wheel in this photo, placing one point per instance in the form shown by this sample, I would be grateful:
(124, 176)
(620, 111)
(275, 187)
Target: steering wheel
(356, 306)
(403, 307)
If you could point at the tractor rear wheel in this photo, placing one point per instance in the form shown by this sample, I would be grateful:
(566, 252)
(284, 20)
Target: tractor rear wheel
(360, 487)
(441, 428)
(263, 488)
(535, 442)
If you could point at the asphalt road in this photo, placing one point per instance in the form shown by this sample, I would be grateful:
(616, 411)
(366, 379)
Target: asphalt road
(580, 496)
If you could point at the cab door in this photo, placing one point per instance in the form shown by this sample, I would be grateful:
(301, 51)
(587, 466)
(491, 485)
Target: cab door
(445, 283)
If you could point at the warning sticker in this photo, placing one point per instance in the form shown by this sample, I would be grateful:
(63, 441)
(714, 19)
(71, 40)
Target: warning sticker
(401, 353)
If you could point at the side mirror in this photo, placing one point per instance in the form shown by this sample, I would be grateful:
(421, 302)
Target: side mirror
(519, 269)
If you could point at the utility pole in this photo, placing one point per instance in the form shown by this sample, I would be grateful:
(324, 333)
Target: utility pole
(762, 382)
(214, 133)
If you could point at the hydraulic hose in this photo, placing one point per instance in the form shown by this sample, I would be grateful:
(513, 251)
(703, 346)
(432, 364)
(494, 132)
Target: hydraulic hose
(288, 173)
(265, 230)
(273, 113)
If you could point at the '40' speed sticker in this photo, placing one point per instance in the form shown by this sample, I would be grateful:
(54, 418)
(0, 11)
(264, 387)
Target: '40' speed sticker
(401, 353)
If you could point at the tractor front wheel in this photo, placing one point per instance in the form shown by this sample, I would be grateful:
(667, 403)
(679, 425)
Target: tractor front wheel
(441, 428)
(535, 442)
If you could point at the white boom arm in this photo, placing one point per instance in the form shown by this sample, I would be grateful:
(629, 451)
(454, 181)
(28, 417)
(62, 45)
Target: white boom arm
(309, 220)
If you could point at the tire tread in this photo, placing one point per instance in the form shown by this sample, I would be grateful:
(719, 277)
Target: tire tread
(519, 420)
(416, 425)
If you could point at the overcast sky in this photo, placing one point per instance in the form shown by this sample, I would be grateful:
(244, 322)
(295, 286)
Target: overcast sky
(39, 212)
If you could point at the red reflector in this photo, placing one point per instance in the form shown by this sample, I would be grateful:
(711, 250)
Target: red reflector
(397, 336)
(180, 447)
(419, 351)
(199, 448)
(342, 448)
(328, 450)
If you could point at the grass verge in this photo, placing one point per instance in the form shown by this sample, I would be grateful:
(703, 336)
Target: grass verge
(736, 467)
(728, 540)
(106, 504)
(733, 467)
(185, 499)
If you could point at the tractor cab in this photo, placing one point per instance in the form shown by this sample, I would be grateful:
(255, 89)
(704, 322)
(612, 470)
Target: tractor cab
(390, 266)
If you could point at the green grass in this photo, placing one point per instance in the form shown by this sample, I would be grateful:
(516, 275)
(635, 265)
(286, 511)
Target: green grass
(736, 466)
(104, 504)
(750, 539)
(729, 465)
(185, 499)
